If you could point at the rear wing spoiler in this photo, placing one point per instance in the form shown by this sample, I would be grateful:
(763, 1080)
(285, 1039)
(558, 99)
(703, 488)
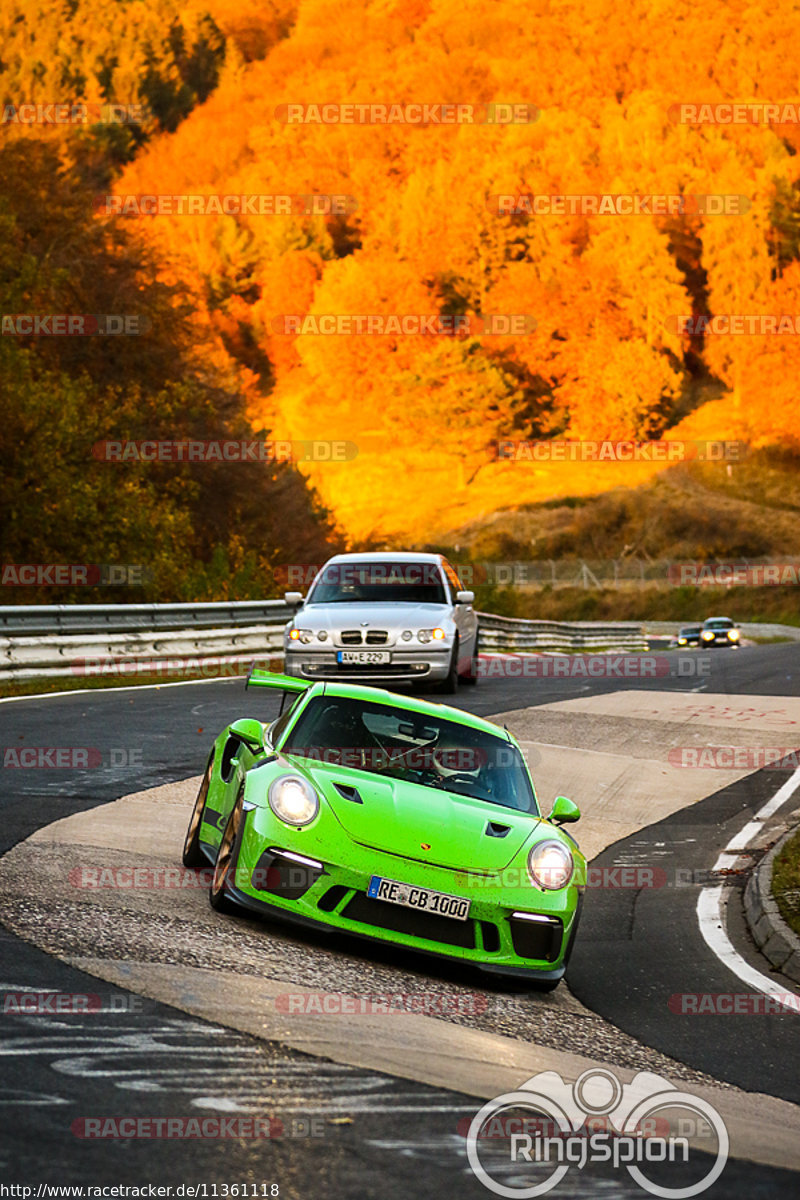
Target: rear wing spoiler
(271, 679)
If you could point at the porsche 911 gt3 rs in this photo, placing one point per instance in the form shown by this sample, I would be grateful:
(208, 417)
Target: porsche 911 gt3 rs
(392, 818)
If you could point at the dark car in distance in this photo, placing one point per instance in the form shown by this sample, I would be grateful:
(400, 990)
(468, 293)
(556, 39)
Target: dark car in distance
(720, 631)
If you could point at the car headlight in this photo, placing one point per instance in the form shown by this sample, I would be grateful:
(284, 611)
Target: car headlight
(550, 865)
(681, 641)
(733, 634)
(431, 635)
(707, 635)
(293, 800)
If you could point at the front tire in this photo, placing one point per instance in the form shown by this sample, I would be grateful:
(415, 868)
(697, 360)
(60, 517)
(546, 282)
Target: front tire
(225, 865)
(474, 670)
(193, 856)
(545, 985)
(449, 685)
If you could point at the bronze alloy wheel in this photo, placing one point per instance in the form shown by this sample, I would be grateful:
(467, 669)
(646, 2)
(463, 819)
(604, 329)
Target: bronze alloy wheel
(225, 866)
(192, 854)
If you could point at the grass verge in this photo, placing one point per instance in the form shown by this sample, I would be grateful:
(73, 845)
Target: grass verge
(773, 605)
(74, 683)
(786, 882)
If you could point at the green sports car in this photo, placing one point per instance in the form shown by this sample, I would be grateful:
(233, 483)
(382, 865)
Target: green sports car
(394, 818)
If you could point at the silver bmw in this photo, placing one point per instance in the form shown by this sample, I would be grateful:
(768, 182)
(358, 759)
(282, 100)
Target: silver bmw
(384, 618)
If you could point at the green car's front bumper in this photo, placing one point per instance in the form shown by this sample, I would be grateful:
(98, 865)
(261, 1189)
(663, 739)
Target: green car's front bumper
(509, 930)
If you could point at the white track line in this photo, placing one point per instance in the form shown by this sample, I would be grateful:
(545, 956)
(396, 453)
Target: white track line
(711, 905)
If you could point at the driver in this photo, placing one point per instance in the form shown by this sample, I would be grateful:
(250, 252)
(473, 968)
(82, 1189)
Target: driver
(339, 736)
(450, 759)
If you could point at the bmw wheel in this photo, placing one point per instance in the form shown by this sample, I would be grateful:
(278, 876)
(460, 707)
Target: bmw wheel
(449, 685)
(474, 670)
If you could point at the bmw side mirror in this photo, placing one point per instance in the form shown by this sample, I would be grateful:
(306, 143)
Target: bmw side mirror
(465, 597)
(293, 598)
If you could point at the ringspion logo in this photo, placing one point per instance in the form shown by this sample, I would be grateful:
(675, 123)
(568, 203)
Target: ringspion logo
(548, 1127)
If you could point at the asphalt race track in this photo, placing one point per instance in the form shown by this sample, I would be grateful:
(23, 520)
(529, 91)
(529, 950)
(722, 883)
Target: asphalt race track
(348, 1131)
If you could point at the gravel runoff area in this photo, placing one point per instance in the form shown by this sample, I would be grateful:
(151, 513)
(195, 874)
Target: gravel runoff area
(179, 927)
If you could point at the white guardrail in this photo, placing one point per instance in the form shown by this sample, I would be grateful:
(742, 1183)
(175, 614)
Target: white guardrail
(37, 641)
(513, 633)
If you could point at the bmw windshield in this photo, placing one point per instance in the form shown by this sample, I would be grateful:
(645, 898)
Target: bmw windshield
(413, 747)
(392, 582)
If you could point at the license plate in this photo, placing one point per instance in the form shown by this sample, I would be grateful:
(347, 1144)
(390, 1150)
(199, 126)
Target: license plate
(375, 657)
(438, 903)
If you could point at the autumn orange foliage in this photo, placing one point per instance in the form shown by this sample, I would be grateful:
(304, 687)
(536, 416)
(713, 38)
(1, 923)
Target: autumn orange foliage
(606, 357)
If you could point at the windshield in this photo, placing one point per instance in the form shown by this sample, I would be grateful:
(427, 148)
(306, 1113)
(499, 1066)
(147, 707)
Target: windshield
(414, 747)
(392, 582)
(719, 623)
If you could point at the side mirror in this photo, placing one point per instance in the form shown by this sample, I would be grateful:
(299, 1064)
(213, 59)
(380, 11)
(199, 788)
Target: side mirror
(293, 597)
(249, 731)
(564, 811)
(465, 597)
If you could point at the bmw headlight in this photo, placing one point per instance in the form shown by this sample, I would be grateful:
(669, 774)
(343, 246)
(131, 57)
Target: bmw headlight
(707, 635)
(302, 635)
(550, 865)
(681, 641)
(293, 800)
(733, 634)
(431, 635)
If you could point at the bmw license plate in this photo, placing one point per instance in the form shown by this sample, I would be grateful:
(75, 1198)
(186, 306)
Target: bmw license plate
(370, 657)
(423, 899)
